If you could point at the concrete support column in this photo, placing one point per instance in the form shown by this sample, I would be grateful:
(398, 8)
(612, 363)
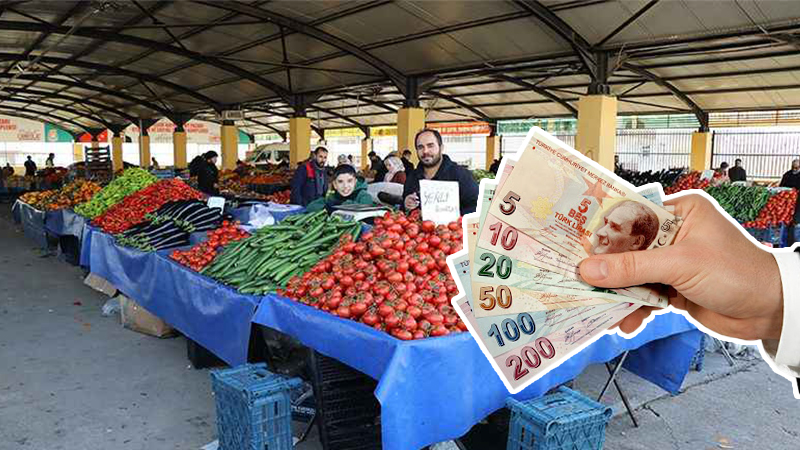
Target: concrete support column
(366, 147)
(597, 128)
(492, 150)
(229, 138)
(409, 122)
(144, 151)
(299, 139)
(179, 148)
(116, 152)
(77, 152)
(701, 150)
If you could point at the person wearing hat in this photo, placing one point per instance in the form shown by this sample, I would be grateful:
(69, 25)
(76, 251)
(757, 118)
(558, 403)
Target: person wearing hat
(208, 174)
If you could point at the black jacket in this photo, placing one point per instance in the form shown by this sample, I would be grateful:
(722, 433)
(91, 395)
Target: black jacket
(309, 183)
(409, 166)
(737, 174)
(207, 177)
(791, 180)
(30, 168)
(196, 165)
(448, 171)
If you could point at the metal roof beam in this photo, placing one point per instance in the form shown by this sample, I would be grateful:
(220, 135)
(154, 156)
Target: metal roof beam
(74, 99)
(117, 71)
(368, 101)
(59, 107)
(281, 133)
(456, 101)
(154, 45)
(628, 22)
(78, 125)
(541, 91)
(701, 115)
(86, 86)
(393, 74)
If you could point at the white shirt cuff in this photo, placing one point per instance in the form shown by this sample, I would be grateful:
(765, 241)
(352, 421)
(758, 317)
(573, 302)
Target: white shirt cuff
(786, 352)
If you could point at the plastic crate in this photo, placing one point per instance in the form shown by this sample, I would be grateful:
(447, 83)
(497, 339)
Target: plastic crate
(777, 236)
(699, 356)
(565, 420)
(253, 408)
(347, 409)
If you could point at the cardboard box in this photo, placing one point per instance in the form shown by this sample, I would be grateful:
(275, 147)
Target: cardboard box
(99, 283)
(134, 317)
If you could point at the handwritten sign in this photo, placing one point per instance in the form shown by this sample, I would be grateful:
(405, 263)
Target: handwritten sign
(216, 202)
(439, 200)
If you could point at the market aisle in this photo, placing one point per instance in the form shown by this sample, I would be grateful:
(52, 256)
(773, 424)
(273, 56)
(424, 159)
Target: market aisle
(73, 379)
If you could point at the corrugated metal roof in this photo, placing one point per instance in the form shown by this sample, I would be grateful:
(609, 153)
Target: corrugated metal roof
(486, 60)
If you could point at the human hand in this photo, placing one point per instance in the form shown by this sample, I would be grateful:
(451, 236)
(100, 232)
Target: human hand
(412, 201)
(716, 274)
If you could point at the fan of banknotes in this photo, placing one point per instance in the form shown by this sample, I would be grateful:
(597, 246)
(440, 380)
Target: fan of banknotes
(550, 208)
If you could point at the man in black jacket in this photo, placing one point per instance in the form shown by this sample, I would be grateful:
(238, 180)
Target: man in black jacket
(737, 172)
(407, 164)
(208, 174)
(433, 165)
(310, 180)
(30, 167)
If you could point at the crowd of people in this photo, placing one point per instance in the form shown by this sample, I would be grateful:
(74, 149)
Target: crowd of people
(311, 182)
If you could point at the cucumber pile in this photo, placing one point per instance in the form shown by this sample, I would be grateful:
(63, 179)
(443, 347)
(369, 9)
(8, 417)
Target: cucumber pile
(267, 260)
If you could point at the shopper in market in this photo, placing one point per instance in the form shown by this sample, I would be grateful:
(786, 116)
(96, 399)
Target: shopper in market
(8, 170)
(50, 161)
(737, 172)
(727, 283)
(208, 174)
(495, 166)
(30, 167)
(395, 170)
(792, 177)
(407, 164)
(196, 165)
(347, 190)
(154, 163)
(434, 165)
(310, 181)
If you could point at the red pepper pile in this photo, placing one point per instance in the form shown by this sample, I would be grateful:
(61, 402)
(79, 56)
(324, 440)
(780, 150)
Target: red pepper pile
(689, 181)
(395, 279)
(201, 255)
(282, 197)
(779, 210)
(132, 209)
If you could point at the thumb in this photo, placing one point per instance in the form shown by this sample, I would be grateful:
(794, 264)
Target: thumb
(615, 270)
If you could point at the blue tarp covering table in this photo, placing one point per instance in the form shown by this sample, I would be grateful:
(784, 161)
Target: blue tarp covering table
(433, 390)
(15, 211)
(214, 316)
(65, 222)
(33, 224)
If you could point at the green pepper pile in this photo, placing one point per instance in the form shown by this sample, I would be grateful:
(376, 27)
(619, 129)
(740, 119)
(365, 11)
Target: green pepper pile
(267, 260)
(741, 202)
(124, 185)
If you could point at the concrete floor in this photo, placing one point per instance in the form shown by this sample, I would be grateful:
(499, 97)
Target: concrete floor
(72, 379)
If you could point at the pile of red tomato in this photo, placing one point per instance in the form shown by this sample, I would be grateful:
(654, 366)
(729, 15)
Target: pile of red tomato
(201, 255)
(395, 279)
(779, 210)
(132, 209)
(689, 181)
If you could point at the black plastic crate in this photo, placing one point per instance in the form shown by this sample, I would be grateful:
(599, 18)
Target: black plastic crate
(348, 414)
(200, 357)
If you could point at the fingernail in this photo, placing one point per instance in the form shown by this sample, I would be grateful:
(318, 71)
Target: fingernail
(595, 269)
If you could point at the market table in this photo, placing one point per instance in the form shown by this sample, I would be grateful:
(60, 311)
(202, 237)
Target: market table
(33, 223)
(213, 315)
(65, 222)
(433, 390)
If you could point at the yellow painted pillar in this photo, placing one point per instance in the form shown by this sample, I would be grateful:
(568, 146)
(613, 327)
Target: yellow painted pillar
(77, 152)
(492, 150)
(230, 146)
(409, 122)
(116, 152)
(366, 147)
(701, 151)
(179, 149)
(597, 128)
(144, 151)
(299, 139)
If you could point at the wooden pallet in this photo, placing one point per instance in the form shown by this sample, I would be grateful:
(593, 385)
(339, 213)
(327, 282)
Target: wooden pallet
(98, 164)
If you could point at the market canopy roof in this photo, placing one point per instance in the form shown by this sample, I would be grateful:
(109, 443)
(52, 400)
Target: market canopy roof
(103, 64)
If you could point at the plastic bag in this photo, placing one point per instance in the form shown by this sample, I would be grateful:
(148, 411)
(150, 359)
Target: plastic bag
(112, 307)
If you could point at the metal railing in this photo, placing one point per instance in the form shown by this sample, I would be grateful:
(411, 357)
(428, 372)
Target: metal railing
(644, 150)
(764, 154)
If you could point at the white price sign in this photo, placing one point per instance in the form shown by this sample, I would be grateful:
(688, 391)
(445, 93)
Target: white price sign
(216, 202)
(439, 200)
